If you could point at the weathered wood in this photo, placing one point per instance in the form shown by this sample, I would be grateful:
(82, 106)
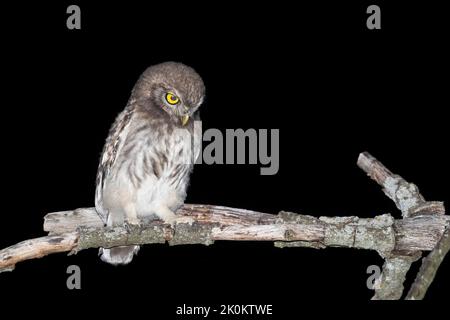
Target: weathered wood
(400, 242)
(395, 268)
(213, 223)
(420, 233)
(411, 234)
(36, 248)
(405, 195)
(429, 267)
(411, 203)
(66, 221)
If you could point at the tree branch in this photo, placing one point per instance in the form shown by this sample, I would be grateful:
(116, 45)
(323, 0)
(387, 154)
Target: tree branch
(405, 195)
(82, 229)
(400, 241)
(36, 248)
(411, 203)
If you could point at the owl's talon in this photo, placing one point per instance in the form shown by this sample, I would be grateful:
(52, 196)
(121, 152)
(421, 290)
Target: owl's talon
(179, 219)
(172, 221)
(133, 221)
(128, 224)
(188, 220)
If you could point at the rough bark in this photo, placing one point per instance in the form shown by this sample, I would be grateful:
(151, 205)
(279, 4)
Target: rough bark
(429, 268)
(399, 242)
(411, 203)
(82, 229)
(36, 248)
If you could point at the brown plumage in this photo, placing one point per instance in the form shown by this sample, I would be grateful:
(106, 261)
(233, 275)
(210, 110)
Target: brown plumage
(149, 153)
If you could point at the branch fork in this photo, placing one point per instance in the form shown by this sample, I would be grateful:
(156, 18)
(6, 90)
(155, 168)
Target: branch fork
(399, 241)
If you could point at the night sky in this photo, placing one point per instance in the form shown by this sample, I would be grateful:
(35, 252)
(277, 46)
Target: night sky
(314, 71)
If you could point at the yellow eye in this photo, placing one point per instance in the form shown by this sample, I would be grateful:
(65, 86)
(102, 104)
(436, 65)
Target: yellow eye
(171, 98)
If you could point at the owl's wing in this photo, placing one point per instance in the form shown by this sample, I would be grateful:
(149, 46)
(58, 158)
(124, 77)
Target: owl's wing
(114, 142)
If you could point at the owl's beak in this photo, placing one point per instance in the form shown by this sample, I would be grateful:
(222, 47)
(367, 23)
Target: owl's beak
(184, 119)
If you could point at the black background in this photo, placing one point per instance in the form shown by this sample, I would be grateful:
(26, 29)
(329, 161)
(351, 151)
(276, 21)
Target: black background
(314, 71)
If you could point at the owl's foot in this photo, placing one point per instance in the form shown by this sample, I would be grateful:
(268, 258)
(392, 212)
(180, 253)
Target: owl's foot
(179, 220)
(169, 217)
(133, 221)
(128, 225)
(185, 219)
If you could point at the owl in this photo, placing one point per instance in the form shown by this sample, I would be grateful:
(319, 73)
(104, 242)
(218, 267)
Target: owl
(150, 151)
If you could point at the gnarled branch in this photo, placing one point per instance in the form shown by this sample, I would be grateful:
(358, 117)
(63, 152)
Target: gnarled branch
(82, 229)
(411, 203)
(398, 241)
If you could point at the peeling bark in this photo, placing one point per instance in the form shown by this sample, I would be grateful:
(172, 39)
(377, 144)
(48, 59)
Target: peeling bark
(399, 242)
(36, 248)
(411, 203)
(212, 223)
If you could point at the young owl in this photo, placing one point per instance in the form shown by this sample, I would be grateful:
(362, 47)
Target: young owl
(149, 153)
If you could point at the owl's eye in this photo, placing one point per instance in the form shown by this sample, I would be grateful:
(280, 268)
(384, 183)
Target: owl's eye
(171, 98)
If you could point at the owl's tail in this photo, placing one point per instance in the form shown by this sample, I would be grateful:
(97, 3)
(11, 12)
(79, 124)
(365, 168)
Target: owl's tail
(118, 255)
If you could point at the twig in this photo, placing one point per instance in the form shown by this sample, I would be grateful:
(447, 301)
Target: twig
(405, 195)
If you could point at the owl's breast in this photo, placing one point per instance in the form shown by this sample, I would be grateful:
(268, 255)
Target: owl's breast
(153, 168)
(177, 160)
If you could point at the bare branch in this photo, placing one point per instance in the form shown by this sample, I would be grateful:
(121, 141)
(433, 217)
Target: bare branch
(411, 203)
(212, 223)
(405, 195)
(399, 242)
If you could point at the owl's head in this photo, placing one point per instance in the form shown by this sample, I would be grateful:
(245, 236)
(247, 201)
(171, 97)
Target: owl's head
(172, 87)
